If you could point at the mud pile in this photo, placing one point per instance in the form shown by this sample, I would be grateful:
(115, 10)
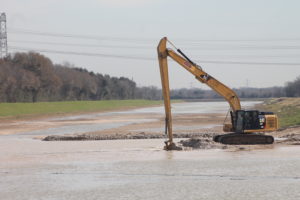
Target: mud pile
(122, 136)
(201, 143)
(292, 139)
(64, 138)
(116, 136)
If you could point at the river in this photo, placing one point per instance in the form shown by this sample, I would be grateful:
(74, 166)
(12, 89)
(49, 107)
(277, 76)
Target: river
(140, 169)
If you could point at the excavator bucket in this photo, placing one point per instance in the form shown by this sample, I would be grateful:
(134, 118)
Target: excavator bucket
(171, 147)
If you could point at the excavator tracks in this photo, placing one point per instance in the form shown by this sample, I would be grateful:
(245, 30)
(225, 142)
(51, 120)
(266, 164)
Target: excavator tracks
(244, 139)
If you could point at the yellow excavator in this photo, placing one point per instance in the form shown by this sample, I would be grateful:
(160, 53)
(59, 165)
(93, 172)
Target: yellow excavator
(246, 126)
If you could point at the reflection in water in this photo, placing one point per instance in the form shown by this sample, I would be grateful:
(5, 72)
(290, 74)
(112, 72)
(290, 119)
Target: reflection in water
(169, 155)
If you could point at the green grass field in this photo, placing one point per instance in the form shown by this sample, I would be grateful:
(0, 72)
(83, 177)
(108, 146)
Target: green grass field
(19, 110)
(287, 109)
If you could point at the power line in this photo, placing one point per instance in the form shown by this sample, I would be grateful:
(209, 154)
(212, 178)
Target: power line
(213, 47)
(241, 40)
(67, 35)
(249, 63)
(97, 37)
(83, 45)
(83, 53)
(132, 57)
(248, 47)
(141, 47)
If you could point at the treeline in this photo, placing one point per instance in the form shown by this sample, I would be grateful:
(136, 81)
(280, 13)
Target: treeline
(291, 89)
(31, 77)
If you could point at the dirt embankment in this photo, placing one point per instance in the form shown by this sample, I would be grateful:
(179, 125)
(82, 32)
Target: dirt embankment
(287, 110)
(199, 128)
(289, 136)
(129, 136)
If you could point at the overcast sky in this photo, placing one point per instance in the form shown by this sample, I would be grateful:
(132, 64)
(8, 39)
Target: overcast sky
(119, 37)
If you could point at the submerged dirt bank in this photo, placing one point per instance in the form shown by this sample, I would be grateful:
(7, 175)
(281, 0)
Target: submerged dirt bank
(289, 136)
(149, 124)
(129, 136)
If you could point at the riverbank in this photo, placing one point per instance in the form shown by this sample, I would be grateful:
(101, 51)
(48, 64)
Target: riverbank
(127, 166)
(201, 127)
(201, 120)
(47, 109)
(287, 110)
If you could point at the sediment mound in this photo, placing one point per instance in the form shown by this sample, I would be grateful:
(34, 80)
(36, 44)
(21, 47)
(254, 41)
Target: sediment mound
(292, 139)
(141, 135)
(201, 143)
(64, 138)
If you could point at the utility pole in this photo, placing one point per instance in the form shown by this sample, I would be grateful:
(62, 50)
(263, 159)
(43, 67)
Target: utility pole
(3, 36)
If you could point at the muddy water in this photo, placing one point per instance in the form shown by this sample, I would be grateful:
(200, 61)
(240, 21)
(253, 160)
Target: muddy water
(194, 107)
(82, 128)
(140, 169)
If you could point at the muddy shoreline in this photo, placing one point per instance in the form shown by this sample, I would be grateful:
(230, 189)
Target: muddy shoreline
(109, 156)
(121, 136)
(288, 136)
(145, 123)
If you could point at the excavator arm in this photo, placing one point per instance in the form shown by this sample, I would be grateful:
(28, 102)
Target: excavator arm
(163, 53)
(242, 121)
(163, 65)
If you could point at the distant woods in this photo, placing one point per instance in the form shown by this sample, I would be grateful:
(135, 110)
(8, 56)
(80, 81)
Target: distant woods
(291, 89)
(31, 77)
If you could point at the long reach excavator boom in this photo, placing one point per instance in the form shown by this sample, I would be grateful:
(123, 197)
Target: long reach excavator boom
(241, 121)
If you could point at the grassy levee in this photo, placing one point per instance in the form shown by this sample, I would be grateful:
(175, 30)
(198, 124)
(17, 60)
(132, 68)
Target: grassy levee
(287, 109)
(20, 110)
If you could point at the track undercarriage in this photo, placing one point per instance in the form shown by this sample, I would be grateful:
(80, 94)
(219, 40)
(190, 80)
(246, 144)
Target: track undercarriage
(244, 138)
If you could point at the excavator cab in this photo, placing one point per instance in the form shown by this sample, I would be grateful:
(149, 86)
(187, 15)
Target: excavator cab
(246, 120)
(253, 121)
